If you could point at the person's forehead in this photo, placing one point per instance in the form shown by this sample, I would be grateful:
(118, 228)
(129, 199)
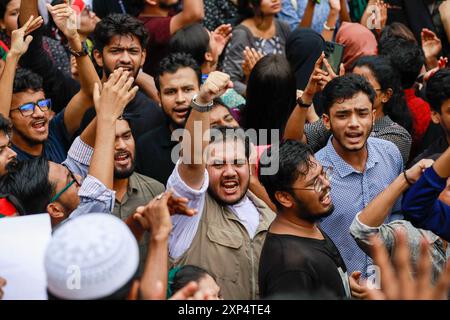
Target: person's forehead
(13, 5)
(358, 101)
(366, 73)
(228, 150)
(122, 127)
(4, 139)
(182, 77)
(28, 96)
(218, 112)
(314, 168)
(124, 41)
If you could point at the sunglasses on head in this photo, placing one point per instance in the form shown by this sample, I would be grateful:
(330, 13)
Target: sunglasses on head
(28, 108)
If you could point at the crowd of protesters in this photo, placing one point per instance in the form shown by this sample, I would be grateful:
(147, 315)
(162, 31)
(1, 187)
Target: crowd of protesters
(214, 149)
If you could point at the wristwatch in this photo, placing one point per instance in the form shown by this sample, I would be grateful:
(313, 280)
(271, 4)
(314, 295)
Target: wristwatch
(301, 104)
(84, 51)
(199, 107)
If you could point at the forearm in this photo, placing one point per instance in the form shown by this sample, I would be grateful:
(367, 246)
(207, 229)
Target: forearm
(6, 84)
(102, 164)
(88, 134)
(378, 209)
(344, 15)
(192, 166)
(308, 15)
(87, 73)
(28, 8)
(295, 125)
(331, 23)
(442, 164)
(147, 84)
(194, 10)
(156, 271)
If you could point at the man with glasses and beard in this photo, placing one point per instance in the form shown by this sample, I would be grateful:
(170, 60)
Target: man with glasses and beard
(298, 259)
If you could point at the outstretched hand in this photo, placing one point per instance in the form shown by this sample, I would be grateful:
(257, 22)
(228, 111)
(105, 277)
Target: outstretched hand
(117, 92)
(21, 38)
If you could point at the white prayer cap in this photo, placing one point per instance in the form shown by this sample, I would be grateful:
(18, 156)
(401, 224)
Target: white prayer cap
(90, 257)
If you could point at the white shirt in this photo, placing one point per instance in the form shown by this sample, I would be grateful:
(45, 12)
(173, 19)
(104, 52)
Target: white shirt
(185, 228)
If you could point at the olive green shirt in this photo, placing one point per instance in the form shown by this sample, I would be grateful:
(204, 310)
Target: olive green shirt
(141, 189)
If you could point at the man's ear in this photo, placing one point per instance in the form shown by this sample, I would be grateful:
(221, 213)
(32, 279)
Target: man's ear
(143, 56)
(56, 213)
(208, 56)
(435, 117)
(387, 95)
(326, 121)
(98, 58)
(2, 24)
(284, 198)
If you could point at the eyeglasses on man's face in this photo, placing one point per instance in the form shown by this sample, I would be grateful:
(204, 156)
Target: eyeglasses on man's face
(27, 109)
(319, 185)
(68, 185)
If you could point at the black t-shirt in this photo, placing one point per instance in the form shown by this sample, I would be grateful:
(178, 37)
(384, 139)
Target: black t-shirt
(153, 154)
(143, 114)
(294, 267)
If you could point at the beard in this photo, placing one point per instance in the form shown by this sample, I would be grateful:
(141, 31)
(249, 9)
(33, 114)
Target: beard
(223, 202)
(353, 150)
(304, 213)
(12, 165)
(125, 173)
(29, 140)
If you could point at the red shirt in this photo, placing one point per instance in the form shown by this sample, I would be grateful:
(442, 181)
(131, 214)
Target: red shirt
(158, 29)
(421, 116)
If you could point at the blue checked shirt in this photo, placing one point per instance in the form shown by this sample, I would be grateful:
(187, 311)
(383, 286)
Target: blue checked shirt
(351, 191)
(292, 12)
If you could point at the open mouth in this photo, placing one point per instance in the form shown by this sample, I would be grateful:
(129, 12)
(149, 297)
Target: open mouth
(39, 125)
(122, 158)
(181, 112)
(354, 137)
(230, 186)
(325, 200)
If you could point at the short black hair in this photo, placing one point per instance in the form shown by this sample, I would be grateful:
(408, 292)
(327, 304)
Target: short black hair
(438, 89)
(294, 160)
(3, 5)
(192, 39)
(29, 183)
(27, 80)
(186, 274)
(224, 133)
(118, 24)
(175, 61)
(5, 125)
(406, 57)
(345, 87)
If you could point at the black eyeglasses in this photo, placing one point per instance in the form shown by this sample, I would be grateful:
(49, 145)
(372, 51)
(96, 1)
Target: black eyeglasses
(318, 182)
(74, 180)
(27, 109)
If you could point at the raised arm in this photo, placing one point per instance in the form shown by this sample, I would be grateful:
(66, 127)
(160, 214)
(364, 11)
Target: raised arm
(109, 105)
(65, 19)
(296, 123)
(378, 209)
(333, 15)
(19, 45)
(193, 11)
(307, 19)
(192, 166)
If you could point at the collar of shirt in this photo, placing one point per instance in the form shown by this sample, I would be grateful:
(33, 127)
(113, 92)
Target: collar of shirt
(343, 168)
(132, 183)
